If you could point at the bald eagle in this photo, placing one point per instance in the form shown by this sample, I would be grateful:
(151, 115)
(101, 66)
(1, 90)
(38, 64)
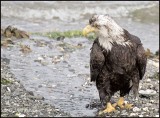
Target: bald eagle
(117, 61)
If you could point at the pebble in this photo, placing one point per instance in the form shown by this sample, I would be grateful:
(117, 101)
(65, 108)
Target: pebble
(145, 109)
(31, 92)
(40, 58)
(37, 97)
(148, 80)
(152, 101)
(20, 115)
(133, 114)
(54, 85)
(8, 89)
(60, 38)
(142, 112)
(140, 115)
(123, 112)
(150, 86)
(148, 92)
(135, 109)
(39, 86)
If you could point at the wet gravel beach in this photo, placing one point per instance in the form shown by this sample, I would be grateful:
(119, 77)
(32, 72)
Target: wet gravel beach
(16, 101)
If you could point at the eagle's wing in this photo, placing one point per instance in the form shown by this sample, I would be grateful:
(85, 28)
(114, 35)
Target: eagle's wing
(141, 61)
(141, 58)
(97, 60)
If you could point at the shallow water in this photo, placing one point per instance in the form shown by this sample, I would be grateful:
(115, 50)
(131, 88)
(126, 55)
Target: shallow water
(65, 84)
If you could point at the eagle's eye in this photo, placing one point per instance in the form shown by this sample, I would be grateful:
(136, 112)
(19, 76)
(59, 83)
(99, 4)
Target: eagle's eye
(92, 20)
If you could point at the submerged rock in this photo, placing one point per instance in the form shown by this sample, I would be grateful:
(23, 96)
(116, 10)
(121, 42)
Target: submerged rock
(25, 49)
(60, 38)
(6, 42)
(12, 31)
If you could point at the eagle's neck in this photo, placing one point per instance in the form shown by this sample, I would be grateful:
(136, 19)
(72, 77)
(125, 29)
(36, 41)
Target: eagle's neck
(115, 35)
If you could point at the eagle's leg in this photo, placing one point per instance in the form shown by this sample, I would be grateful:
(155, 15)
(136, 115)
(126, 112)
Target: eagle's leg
(135, 87)
(105, 98)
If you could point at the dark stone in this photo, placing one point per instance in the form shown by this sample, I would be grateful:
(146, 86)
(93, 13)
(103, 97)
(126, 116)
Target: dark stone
(60, 38)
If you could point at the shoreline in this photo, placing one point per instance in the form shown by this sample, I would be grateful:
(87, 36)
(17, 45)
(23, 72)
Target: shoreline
(17, 101)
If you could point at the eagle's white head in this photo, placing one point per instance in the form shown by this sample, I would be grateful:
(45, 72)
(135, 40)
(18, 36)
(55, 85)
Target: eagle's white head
(107, 30)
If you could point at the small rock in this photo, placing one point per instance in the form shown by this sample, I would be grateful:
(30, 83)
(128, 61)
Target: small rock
(15, 93)
(7, 98)
(148, 80)
(20, 115)
(30, 92)
(61, 49)
(148, 92)
(38, 97)
(152, 101)
(140, 115)
(57, 109)
(86, 66)
(79, 44)
(124, 112)
(25, 49)
(8, 89)
(145, 109)
(126, 102)
(135, 109)
(53, 85)
(150, 86)
(60, 38)
(143, 112)
(39, 86)
(40, 58)
(44, 63)
(118, 112)
(133, 114)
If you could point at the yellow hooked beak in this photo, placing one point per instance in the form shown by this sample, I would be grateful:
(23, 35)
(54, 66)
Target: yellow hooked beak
(88, 29)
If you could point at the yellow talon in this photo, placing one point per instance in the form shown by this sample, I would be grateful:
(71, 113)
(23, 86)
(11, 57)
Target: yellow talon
(128, 106)
(114, 105)
(120, 102)
(122, 105)
(109, 109)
